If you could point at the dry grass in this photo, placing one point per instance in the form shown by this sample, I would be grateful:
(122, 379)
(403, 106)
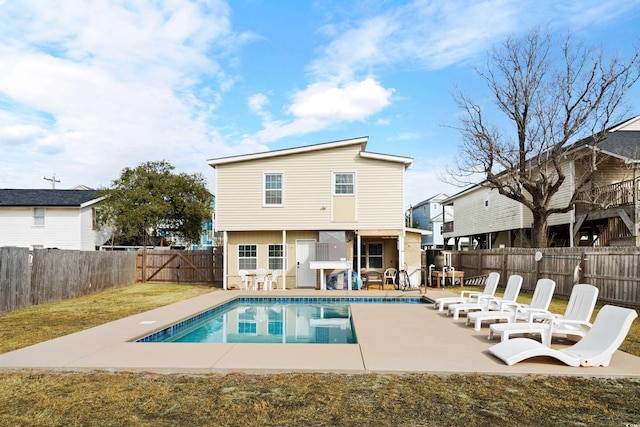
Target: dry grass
(125, 399)
(118, 399)
(31, 325)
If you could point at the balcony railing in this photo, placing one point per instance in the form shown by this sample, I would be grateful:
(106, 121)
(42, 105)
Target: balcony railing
(605, 197)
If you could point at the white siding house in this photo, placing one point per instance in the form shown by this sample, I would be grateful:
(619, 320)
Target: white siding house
(276, 209)
(63, 219)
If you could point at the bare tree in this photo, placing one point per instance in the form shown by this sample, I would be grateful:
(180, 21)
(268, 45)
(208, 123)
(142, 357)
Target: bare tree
(550, 98)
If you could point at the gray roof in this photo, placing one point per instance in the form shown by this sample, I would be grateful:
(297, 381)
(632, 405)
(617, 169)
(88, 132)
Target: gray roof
(15, 197)
(623, 143)
(620, 143)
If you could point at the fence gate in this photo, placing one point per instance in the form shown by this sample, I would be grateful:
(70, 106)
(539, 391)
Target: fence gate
(176, 266)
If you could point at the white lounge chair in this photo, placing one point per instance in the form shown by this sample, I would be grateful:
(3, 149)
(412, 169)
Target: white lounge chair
(490, 303)
(512, 312)
(575, 321)
(596, 348)
(470, 296)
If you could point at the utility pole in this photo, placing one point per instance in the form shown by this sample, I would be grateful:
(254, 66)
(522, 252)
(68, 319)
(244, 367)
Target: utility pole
(53, 181)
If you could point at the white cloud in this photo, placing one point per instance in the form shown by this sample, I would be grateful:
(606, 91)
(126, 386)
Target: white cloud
(343, 88)
(324, 104)
(110, 85)
(351, 101)
(257, 103)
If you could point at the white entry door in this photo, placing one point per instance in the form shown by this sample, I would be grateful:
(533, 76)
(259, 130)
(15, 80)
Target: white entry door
(305, 253)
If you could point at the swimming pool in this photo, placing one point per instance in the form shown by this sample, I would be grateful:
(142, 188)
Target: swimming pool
(303, 320)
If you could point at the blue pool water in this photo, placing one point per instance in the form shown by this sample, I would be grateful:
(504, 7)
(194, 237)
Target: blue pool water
(273, 320)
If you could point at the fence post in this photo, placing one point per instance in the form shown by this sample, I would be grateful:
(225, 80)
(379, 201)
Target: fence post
(504, 272)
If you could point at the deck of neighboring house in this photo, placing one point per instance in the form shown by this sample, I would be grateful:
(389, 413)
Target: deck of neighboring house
(604, 214)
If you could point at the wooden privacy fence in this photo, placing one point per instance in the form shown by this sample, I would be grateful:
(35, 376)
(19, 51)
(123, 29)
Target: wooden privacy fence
(615, 271)
(179, 266)
(29, 278)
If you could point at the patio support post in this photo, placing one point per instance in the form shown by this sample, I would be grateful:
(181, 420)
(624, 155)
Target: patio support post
(358, 249)
(285, 258)
(225, 259)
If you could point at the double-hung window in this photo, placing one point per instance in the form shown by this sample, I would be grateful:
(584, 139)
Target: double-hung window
(344, 183)
(38, 217)
(276, 257)
(371, 255)
(273, 189)
(247, 257)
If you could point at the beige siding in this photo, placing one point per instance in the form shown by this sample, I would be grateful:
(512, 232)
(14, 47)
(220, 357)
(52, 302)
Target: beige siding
(344, 208)
(307, 183)
(262, 239)
(563, 196)
(412, 249)
(632, 125)
(612, 171)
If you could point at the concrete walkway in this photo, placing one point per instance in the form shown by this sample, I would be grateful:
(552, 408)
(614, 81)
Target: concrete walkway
(392, 338)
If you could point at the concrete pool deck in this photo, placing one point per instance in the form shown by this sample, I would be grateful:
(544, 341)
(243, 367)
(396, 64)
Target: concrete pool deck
(392, 338)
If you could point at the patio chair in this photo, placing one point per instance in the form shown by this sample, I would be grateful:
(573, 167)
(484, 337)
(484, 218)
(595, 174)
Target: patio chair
(372, 277)
(471, 296)
(493, 303)
(275, 274)
(244, 275)
(512, 312)
(574, 322)
(609, 330)
(261, 277)
(390, 276)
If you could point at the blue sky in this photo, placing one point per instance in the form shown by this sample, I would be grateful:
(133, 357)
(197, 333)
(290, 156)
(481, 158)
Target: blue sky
(90, 87)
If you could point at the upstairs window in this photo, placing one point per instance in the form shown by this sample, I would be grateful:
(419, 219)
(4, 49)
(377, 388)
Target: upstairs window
(344, 183)
(38, 217)
(273, 189)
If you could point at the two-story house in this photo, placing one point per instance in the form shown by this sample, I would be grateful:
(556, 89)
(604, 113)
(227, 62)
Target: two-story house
(302, 209)
(430, 214)
(608, 213)
(63, 219)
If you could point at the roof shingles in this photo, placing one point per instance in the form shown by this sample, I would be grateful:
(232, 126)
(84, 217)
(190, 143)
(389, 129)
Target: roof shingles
(18, 197)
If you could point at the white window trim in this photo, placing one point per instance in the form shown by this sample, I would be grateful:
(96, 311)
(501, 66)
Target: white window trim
(333, 183)
(284, 255)
(264, 191)
(239, 258)
(44, 216)
(366, 255)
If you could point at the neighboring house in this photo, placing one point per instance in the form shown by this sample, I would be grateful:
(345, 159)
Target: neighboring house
(428, 215)
(207, 236)
(319, 207)
(63, 219)
(607, 214)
